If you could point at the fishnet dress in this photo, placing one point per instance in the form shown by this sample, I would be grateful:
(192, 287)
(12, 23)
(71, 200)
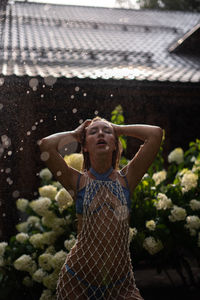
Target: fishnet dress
(99, 264)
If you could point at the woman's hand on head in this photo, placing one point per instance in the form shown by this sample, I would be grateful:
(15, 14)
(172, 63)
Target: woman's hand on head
(78, 132)
(116, 129)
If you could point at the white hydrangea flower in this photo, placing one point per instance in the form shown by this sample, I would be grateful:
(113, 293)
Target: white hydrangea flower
(22, 227)
(25, 263)
(70, 243)
(22, 204)
(177, 214)
(151, 225)
(49, 237)
(45, 174)
(50, 249)
(158, 177)
(27, 281)
(3, 246)
(57, 184)
(52, 221)
(39, 275)
(50, 281)
(189, 181)
(34, 221)
(44, 261)
(177, 156)
(196, 165)
(48, 191)
(47, 295)
(58, 259)
(163, 202)
(41, 205)
(37, 240)
(152, 246)
(195, 204)
(74, 160)
(64, 199)
(193, 222)
(22, 237)
(132, 233)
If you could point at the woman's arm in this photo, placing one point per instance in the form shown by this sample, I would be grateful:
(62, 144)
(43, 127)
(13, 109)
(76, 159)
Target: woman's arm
(50, 147)
(138, 166)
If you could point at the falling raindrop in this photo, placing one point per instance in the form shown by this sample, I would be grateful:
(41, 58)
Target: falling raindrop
(27, 92)
(3, 214)
(21, 149)
(33, 83)
(36, 123)
(1, 81)
(44, 156)
(33, 127)
(1, 106)
(50, 80)
(72, 96)
(15, 194)
(2, 170)
(6, 142)
(84, 94)
(39, 142)
(43, 85)
(28, 133)
(80, 121)
(111, 95)
(9, 153)
(54, 118)
(9, 180)
(42, 95)
(74, 110)
(59, 173)
(41, 120)
(22, 141)
(34, 88)
(77, 88)
(96, 112)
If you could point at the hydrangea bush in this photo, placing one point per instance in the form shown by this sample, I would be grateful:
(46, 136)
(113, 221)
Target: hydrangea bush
(164, 225)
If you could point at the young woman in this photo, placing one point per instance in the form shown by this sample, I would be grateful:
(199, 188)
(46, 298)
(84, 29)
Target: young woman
(99, 264)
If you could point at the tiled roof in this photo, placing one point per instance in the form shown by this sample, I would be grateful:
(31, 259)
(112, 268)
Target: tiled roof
(75, 41)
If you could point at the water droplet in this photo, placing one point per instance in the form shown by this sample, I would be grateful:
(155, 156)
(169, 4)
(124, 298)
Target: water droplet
(7, 170)
(74, 110)
(2, 170)
(28, 133)
(36, 123)
(33, 127)
(43, 85)
(22, 141)
(54, 117)
(6, 141)
(44, 156)
(96, 112)
(84, 94)
(59, 173)
(39, 142)
(15, 194)
(1, 106)
(72, 96)
(34, 88)
(33, 83)
(50, 80)
(65, 149)
(21, 149)
(2, 81)
(41, 120)
(3, 214)
(80, 121)
(9, 153)
(9, 180)
(77, 88)
(42, 95)
(111, 95)
(27, 92)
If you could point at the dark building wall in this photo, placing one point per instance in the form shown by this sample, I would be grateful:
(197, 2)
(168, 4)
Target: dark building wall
(51, 109)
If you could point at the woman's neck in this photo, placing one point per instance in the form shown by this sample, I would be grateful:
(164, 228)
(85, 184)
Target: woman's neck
(101, 166)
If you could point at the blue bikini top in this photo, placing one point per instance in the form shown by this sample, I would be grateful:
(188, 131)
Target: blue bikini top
(103, 177)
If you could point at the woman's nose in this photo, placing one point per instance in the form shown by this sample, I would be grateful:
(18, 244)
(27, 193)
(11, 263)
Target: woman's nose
(100, 132)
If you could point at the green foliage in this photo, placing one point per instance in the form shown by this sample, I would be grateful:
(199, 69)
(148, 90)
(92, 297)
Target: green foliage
(185, 5)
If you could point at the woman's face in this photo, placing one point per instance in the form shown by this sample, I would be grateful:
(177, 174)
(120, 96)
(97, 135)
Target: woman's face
(100, 138)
